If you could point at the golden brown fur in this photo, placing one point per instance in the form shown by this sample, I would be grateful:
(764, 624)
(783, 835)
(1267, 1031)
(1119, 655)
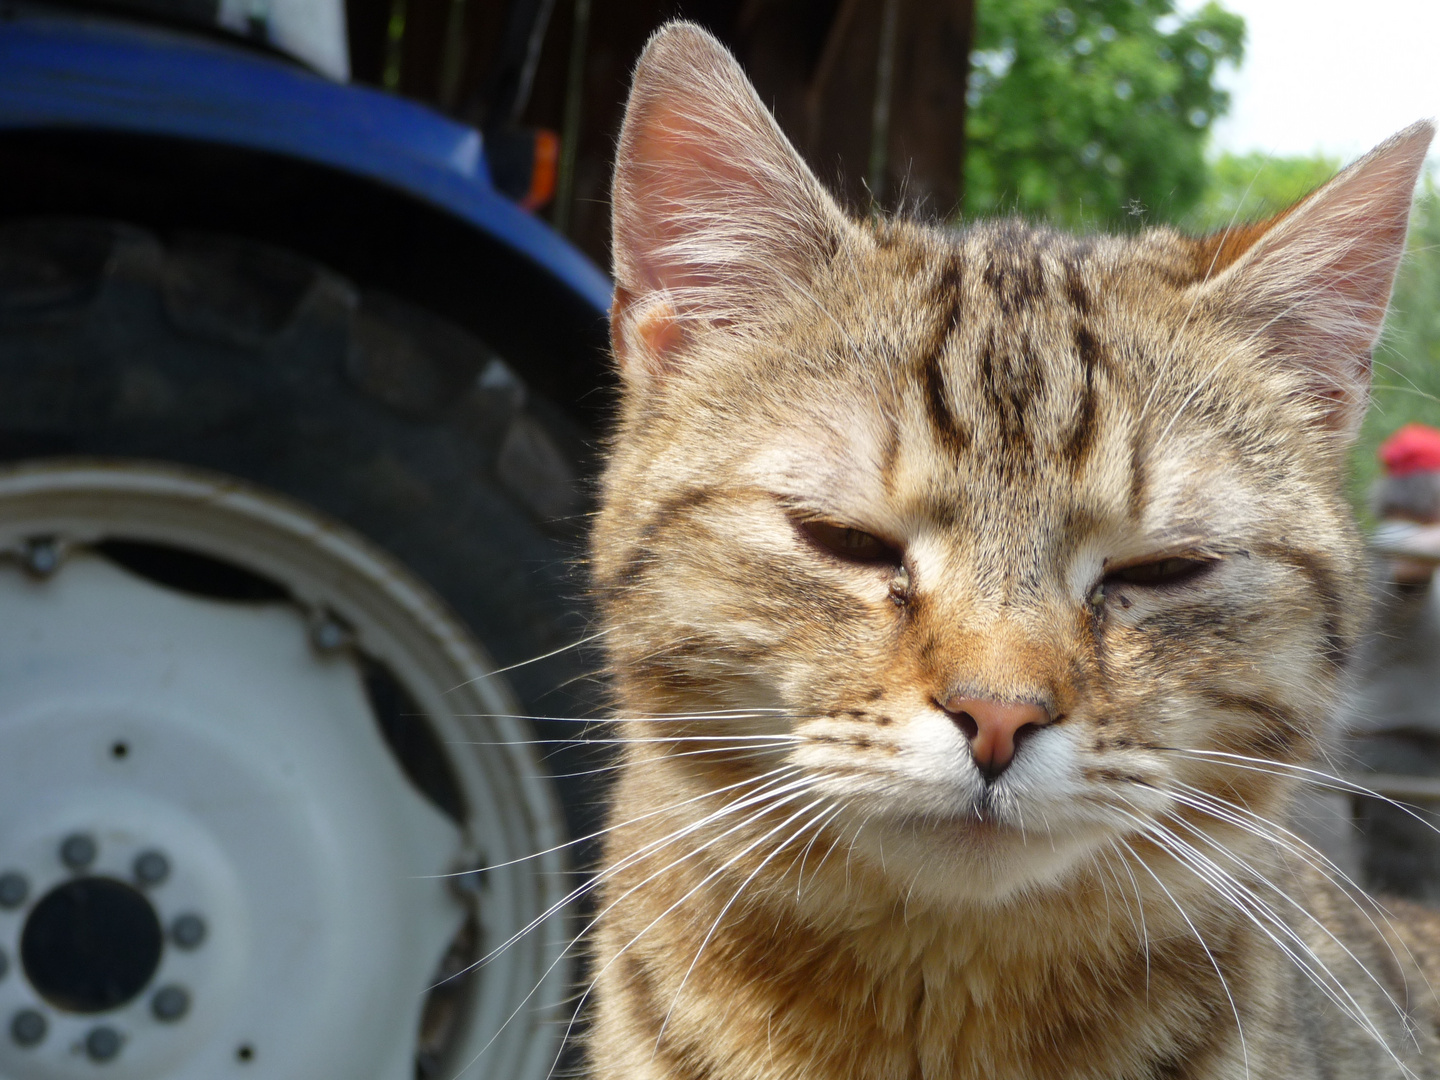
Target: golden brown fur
(807, 874)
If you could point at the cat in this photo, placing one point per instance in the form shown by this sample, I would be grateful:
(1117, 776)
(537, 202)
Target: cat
(975, 602)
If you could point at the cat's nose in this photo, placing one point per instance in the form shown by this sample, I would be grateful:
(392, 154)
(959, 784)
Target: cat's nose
(994, 728)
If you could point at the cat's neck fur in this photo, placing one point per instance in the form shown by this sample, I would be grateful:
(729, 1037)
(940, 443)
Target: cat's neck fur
(826, 968)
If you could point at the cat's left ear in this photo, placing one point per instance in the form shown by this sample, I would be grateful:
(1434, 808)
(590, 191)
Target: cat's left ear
(1315, 283)
(716, 219)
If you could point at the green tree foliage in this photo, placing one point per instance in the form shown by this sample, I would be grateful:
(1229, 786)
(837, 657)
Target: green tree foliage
(1092, 112)
(1251, 187)
(1407, 363)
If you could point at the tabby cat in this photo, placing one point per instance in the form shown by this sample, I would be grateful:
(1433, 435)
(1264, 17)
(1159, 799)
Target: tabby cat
(975, 602)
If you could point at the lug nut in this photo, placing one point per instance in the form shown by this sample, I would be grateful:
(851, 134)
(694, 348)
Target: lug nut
(151, 867)
(187, 931)
(329, 633)
(78, 851)
(170, 1003)
(28, 1027)
(41, 556)
(102, 1044)
(13, 889)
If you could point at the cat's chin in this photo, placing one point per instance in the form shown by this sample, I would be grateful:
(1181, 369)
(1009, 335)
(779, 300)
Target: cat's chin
(960, 862)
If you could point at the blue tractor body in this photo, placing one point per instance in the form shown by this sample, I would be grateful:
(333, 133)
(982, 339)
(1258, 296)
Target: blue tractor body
(180, 131)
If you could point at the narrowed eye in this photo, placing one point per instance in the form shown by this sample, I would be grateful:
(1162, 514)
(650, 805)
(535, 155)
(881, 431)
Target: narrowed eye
(855, 545)
(1170, 571)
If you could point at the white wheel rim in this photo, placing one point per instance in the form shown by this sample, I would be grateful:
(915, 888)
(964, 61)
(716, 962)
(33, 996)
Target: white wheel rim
(312, 860)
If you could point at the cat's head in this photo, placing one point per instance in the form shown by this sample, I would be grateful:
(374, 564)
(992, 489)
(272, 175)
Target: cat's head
(1007, 542)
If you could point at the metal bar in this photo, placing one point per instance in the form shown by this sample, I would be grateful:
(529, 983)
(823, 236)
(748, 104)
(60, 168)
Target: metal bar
(574, 103)
(1422, 789)
(884, 87)
(452, 60)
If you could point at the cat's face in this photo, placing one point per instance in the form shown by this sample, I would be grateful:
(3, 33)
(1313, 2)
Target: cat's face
(1004, 543)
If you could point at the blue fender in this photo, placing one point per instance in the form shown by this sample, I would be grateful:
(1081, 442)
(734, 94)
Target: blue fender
(63, 71)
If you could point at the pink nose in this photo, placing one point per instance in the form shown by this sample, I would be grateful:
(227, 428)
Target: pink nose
(994, 727)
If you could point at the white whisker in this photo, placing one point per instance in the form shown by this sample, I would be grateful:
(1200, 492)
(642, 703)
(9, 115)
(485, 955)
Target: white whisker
(1224, 984)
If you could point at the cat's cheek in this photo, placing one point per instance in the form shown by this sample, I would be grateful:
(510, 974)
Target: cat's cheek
(922, 768)
(913, 765)
(1133, 609)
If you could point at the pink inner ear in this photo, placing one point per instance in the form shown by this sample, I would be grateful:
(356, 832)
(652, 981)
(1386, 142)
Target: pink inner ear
(1319, 281)
(712, 206)
(682, 184)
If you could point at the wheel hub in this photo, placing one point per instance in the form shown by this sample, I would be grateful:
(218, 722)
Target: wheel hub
(91, 944)
(209, 855)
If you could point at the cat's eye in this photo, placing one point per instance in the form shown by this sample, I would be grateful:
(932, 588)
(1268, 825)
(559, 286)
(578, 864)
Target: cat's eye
(1170, 571)
(854, 545)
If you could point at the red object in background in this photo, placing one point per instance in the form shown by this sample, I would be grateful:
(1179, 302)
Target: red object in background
(1414, 448)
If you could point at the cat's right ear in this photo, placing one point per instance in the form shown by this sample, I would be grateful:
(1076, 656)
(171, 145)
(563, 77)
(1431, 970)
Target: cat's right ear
(715, 216)
(1314, 282)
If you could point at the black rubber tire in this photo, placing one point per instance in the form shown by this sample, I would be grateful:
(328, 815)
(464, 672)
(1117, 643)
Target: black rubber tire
(250, 360)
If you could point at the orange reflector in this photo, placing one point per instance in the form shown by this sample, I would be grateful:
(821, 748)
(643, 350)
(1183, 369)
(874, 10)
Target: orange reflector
(546, 164)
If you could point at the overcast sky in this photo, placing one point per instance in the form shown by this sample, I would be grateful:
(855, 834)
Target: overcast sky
(1335, 76)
